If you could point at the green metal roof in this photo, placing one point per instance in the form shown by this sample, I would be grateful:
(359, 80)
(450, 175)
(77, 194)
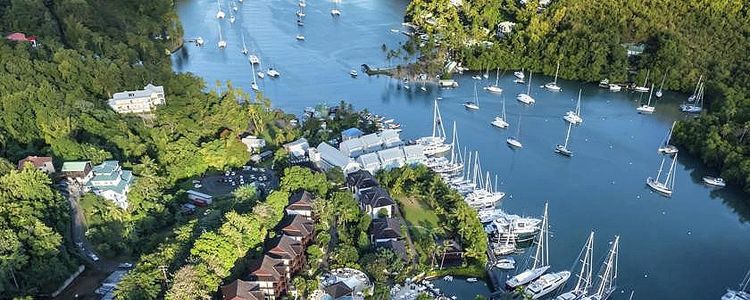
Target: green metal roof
(74, 166)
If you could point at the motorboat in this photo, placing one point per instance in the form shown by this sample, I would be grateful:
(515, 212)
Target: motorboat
(300, 37)
(506, 264)
(714, 181)
(353, 73)
(514, 142)
(615, 87)
(546, 284)
(273, 73)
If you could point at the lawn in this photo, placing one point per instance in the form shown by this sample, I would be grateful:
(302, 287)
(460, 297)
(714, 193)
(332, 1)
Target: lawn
(418, 214)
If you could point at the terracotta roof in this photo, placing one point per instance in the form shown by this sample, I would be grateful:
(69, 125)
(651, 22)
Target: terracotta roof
(267, 268)
(37, 161)
(386, 228)
(338, 290)
(241, 290)
(301, 200)
(376, 197)
(296, 225)
(284, 247)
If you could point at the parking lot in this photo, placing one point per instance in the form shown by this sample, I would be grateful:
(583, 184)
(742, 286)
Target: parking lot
(223, 184)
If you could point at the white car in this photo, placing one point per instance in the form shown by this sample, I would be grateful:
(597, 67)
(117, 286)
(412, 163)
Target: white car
(93, 256)
(125, 265)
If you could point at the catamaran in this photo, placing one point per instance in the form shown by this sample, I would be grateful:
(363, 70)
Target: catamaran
(220, 14)
(665, 188)
(607, 277)
(647, 108)
(496, 87)
(519, 74)
(473, 104)
(552, 86)
(335, 11)
(254, 59)
(644, 88)
(574, 117)
(540, 258)
(526, 98)
(563, 149)
(665, 147)
(743, 293)
(499, 121)
(514, 141)
(222, 43)
(435, 144)
(244, 47)
(507, 263)
(585, 276)
(661, 86)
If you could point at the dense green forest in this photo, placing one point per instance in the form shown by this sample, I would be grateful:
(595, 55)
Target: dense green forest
(682, 39)
(53, 102)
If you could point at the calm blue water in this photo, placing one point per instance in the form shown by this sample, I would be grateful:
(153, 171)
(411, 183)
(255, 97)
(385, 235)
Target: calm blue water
(690, 246)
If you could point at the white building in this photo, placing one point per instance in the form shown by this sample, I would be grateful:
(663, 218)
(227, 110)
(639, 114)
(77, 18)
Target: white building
(352, 147)
(297, 148)
(331, 157)
(140, 101)
(390, 138)
(414, 154)
(111, 182)
(252, 142)
(371, 142)
(370, 162)
(391, 158)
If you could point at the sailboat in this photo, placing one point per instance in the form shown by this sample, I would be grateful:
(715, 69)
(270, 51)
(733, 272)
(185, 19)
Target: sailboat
(585, 275)
(509, 246)
(496, 87)
(456, 163)
(552, 86)
(661, 86)
(696, 107)
(743, 293)
(574, 117)
(644, 88)
(519, 74)
(563, 149)
(540, 258)
(220, 14)
(302, 3)
(547, 282)
(335, 11)
(665, 188)
(647, 108)
(666, 148)
(514, 141)
(607, 275)
(473, 104)
(694, 96)
(244, 47)
(300, 37)
(260, 74)
(254, 84)
(526, 98)
(487, 73)
(222, 43)
(499, 121)
(254, 59)
(424, 86)
(435, 144)
(232, 18)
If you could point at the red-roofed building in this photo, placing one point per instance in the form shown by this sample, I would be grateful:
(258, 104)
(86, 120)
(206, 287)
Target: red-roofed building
(43, 163)
(271, 275)
(289, 250)
(20, 37)
(242, 290)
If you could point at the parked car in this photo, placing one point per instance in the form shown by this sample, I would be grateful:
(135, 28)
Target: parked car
(125, 265)
(93, 256)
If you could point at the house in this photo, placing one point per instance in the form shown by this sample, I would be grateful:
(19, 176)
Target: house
(390, 138)
(300, 203)
(634, 49)
(42, 163)
(297, 148)
(351, 133)
(352, 147)
(346, 283)
(242, 290)
(414, 155)
(288, 250)
(391, 158)
(331, 157)
(252, 142)
(339, 290)
(360, 181)
(371, 143)
(370, 162)
(271, 276)
(111, 182)
(79, 171)
(375, 201)
(138, 101)
(452, 253)
(21, 37)
(398, 248)
(385, 229)
(297, 227)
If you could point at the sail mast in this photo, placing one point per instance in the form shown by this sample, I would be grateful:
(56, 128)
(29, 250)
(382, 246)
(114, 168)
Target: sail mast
(528, 88)
(567, 135)
(556, 71)
(670, 176)
(661, 166)
(584, 277)
(578, 105)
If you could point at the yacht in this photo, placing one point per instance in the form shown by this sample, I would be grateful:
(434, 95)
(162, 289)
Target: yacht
(647, 108)
(254, 59)
(435, 144)
(519, 74)
(659, 93)
(514, 141)
(714, 181)
(273, 73)
(353, 73)
(666, 148)
(585, 276)
(496, 87)
(665, 188)
(552, 86)
(615, 87)
(574, 117)
(607, 283)
(743, 293)
(254, 84)
(300, 37)
(546, 284)
(540, 258)
(644, 88)
(499, 121)
(506, 264)
(604, 83)
(563, 149)
(473, 104)
(526, 98)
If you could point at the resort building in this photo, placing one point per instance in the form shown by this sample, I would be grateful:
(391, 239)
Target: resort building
(300, 203)
(331, 157)
(297, 148)
(377, 203)
(297, 227)
(385, 229)
(360, 181)
(271, 276)
(77, 171)
(351, 133)
(242, 290)
(346, 283)
(370, 162)
(139, 101)
(111, 182)
(391, 158)
(414, 155)
(41, 163)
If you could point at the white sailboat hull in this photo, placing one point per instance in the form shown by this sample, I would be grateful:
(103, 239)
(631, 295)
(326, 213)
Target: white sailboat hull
(562, 150)
(499, 122)
(546, 284)
(553, 87)
(573, 118)
(513, 142)
(471, 105)
(658, 187)
(641, 89)
(525, 99)
(668, 149)
(493, 89)
(519, 75)
(646, 109)
(525, 277)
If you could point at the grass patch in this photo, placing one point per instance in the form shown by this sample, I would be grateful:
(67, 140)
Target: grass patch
(418, 214)
(467, 271)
